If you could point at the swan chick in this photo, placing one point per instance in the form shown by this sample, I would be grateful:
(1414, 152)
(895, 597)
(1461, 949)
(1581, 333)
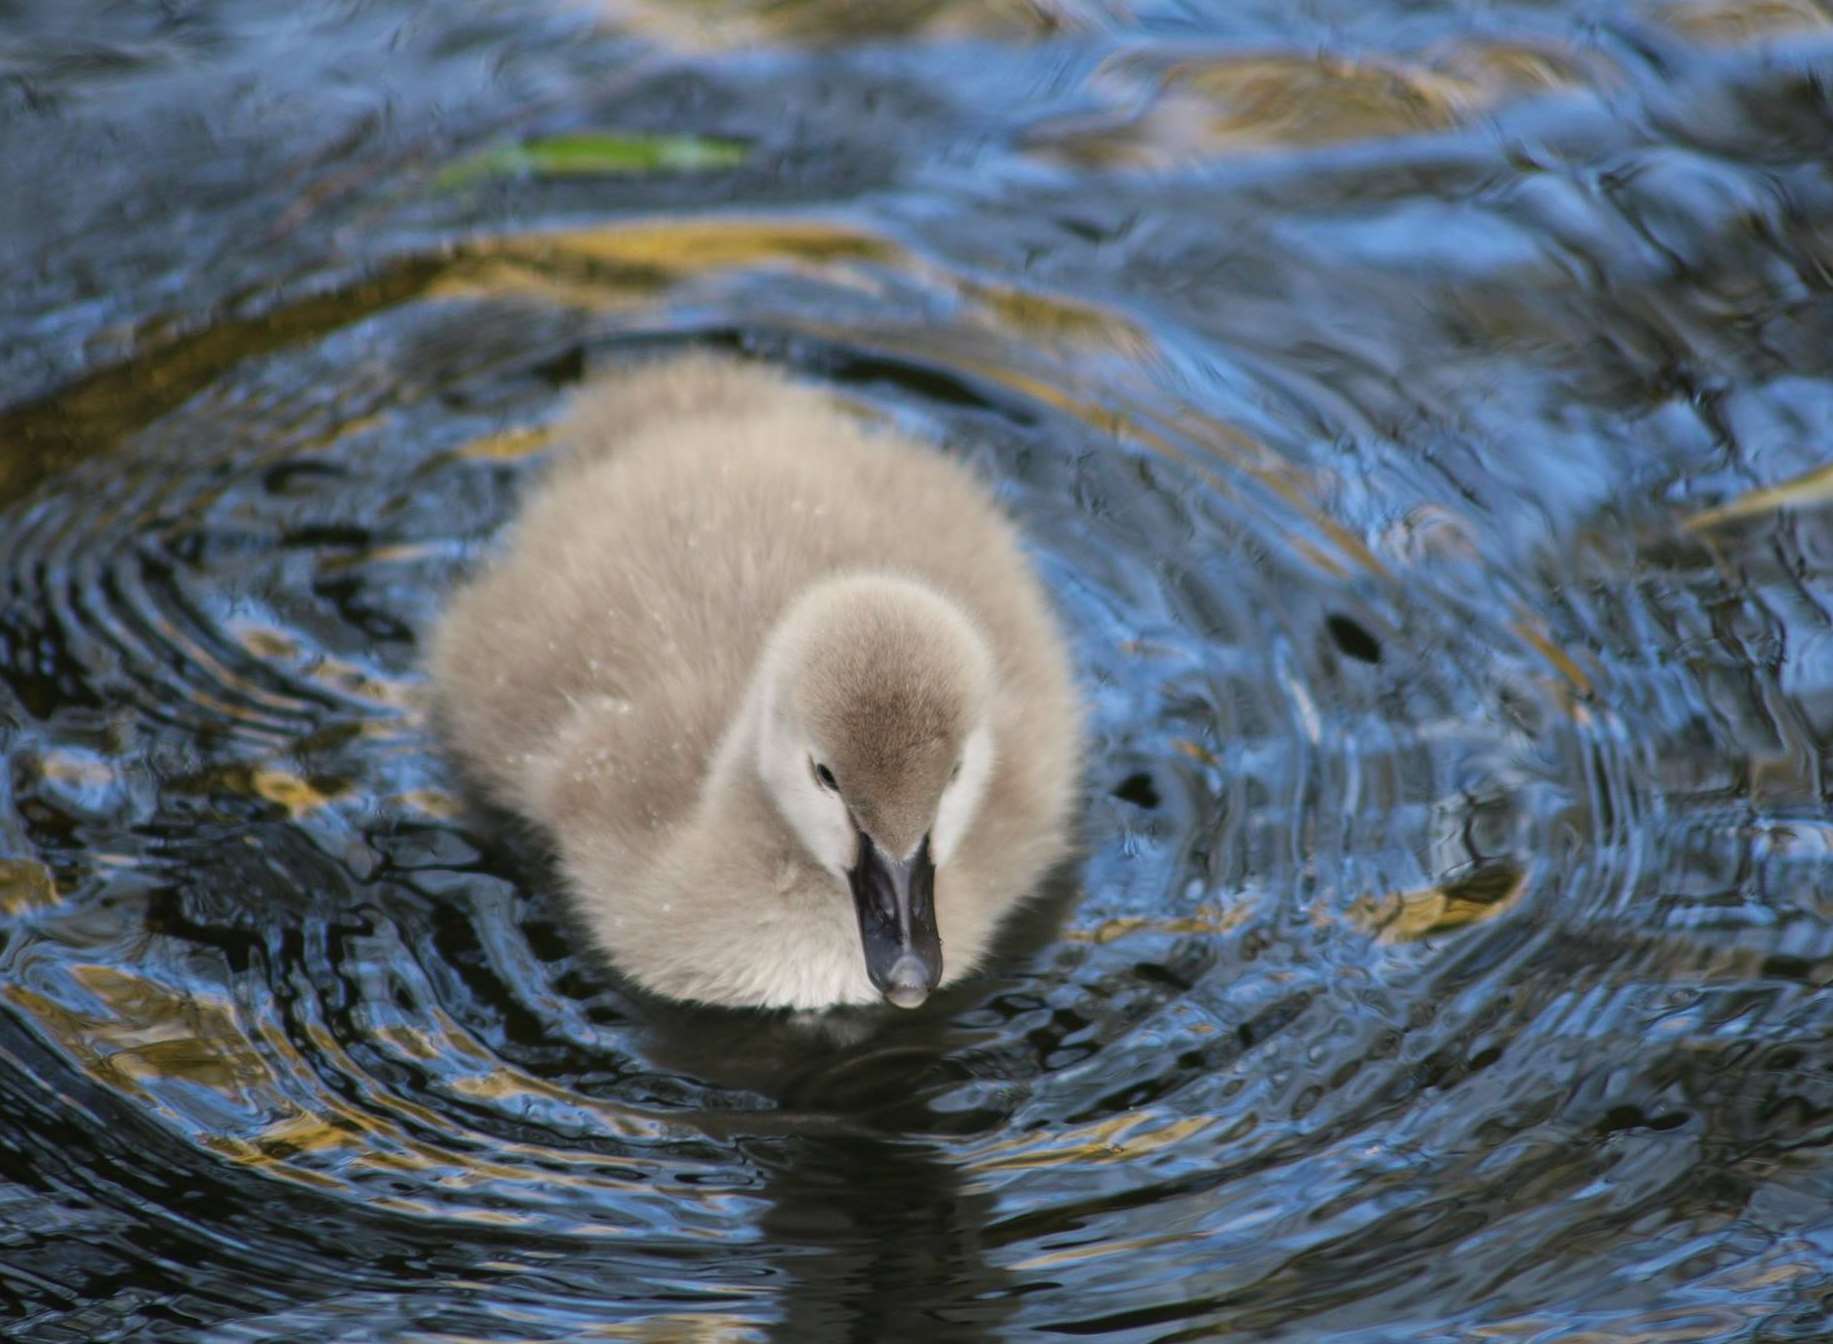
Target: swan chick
(784, 692)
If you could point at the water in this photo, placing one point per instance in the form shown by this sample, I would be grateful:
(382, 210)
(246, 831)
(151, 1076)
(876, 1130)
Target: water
(1420, 413)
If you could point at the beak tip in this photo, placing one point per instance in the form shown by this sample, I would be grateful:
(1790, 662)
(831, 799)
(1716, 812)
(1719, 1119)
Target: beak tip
(908, 983)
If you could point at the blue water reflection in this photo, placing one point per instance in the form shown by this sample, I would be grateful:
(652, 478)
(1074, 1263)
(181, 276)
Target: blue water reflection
(1419, 413)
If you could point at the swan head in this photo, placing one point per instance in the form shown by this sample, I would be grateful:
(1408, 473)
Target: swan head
(876, 747)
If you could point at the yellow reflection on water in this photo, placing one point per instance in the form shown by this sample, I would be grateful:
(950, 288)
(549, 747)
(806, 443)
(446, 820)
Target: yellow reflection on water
(1297, 100)
(1204, 107)
(1733, 22)
(1096, 1250)
(77, 769)
(296, 795)
(1204, 919)
(1407, 916)
(688, 246)
(724, 25)
(688, 1327)
(500, 277)
(265, 642)
(509, 445)
(1533, 631)
(1057, 323)
(141, 1032)
(26, 884)
(431, 802)
(1118, 1138)
(1811, 488)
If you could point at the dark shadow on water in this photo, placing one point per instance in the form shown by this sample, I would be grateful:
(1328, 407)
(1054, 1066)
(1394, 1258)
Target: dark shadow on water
(877, 1237)
(879, 1242)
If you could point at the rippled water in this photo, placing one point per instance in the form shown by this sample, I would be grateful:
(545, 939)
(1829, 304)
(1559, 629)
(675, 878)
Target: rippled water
(1421, 413)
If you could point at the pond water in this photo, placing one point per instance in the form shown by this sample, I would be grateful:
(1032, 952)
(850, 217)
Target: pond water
(1420, 412)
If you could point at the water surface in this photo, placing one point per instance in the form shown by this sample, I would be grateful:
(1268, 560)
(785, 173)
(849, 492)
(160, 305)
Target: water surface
(1420, 414)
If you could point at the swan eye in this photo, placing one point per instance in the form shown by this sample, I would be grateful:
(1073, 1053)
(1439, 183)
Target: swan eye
(824, 777)
(955, 774)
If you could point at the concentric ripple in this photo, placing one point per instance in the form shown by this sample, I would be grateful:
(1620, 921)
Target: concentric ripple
(1437, 513)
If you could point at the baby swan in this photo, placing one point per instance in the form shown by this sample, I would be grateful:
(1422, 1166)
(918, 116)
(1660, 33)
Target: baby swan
(785, 693)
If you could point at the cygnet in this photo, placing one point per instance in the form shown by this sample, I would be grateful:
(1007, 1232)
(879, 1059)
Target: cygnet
(782, 689)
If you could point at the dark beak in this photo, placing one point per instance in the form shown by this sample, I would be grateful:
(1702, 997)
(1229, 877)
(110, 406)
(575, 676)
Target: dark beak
(897, 921)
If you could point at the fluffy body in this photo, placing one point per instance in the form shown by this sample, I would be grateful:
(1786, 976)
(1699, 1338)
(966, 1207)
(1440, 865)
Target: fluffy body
(721, 566)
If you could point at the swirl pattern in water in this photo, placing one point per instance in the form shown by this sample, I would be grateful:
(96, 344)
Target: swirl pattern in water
(1420, 416)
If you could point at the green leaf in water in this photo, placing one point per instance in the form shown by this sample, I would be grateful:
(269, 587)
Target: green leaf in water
(592, 153)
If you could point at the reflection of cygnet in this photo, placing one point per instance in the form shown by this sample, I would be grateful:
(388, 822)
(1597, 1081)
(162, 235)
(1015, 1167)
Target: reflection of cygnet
(785, 692)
